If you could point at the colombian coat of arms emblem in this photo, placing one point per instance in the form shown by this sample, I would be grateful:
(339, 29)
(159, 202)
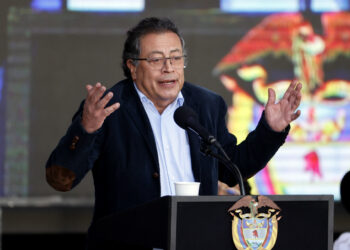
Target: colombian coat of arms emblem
(255, 223)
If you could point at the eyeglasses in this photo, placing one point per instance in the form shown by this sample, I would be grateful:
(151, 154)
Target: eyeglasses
(177, 62)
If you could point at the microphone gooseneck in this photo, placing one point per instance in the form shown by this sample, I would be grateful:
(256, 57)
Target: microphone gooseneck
(186, 118)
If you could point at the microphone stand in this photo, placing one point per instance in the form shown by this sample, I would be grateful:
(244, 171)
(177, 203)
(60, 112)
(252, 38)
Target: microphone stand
(206, 149)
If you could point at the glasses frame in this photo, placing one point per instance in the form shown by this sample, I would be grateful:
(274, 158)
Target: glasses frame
(149, 60)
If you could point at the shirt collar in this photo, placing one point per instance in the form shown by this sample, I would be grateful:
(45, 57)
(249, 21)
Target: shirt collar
(144, 99)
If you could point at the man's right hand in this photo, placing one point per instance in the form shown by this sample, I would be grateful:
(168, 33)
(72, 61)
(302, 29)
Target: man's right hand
(95, 110)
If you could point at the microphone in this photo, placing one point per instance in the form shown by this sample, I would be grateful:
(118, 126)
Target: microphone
(186, 118)
(344, 191)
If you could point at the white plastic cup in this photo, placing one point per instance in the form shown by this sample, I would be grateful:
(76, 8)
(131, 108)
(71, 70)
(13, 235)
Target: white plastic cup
(187, 188)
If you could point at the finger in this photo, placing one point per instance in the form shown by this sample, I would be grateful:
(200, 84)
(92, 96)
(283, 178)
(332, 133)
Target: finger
(88, 87)
(97, 95)
(297, 101)
(299, 86)
(92, 91)
(96, 87)
(295, 98)
(271, 96)
(295, 115)
(103, 102)
(109, 110)
(289, 90)
(292, 100)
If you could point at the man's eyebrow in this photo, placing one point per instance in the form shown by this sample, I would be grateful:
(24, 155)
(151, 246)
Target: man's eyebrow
(175, 50)
(160, 52)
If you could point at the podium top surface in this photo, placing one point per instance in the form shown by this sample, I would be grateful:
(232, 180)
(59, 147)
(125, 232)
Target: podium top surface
(227, 198)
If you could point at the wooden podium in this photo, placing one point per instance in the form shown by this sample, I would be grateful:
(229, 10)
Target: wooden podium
(203, 222)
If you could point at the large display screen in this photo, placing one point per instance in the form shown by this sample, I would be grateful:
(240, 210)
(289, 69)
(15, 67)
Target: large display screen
(281, 48)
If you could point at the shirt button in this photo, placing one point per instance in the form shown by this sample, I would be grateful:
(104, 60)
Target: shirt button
(155, 175)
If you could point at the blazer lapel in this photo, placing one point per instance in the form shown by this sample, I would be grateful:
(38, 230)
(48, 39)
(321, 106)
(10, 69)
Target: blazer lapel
(135, 111)
(194, 141)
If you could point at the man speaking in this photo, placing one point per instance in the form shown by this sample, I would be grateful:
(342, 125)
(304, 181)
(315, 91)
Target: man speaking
(128, 137)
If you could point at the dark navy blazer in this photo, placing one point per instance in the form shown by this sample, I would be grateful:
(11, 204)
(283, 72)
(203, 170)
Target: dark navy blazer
(123, 157)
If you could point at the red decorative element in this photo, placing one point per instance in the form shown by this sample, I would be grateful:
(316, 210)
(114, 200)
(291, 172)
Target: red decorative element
(313, 164)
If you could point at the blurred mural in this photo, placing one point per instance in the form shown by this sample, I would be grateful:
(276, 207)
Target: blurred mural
(282, 48)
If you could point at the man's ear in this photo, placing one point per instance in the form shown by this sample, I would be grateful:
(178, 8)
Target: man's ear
(132, 68)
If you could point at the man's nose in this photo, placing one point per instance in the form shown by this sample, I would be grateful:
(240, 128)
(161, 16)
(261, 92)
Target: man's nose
(168, 65)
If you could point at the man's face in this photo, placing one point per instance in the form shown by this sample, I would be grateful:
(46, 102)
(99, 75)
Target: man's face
(163, 85)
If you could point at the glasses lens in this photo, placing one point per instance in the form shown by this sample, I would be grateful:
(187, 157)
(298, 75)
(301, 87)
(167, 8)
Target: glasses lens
(176, 62)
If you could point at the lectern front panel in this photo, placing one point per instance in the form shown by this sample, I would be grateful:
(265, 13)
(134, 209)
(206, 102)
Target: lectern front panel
(306, 223)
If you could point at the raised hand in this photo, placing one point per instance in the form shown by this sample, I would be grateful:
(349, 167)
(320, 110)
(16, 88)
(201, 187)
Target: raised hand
(95, 110)
(279, 115)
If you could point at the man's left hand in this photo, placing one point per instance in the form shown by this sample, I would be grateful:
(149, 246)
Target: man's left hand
(279, 115)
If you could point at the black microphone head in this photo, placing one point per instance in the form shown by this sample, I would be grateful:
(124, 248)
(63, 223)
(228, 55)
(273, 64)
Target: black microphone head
(345, 191)
(185, 116)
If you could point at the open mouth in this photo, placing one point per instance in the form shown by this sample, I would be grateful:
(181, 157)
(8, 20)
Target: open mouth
(167, 82)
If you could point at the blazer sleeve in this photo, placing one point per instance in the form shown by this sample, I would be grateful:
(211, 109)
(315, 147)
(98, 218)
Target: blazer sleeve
(252, 154)
(77, 150)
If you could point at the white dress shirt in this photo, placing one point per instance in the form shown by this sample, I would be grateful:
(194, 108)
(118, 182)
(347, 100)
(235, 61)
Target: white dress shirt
(172, 144)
